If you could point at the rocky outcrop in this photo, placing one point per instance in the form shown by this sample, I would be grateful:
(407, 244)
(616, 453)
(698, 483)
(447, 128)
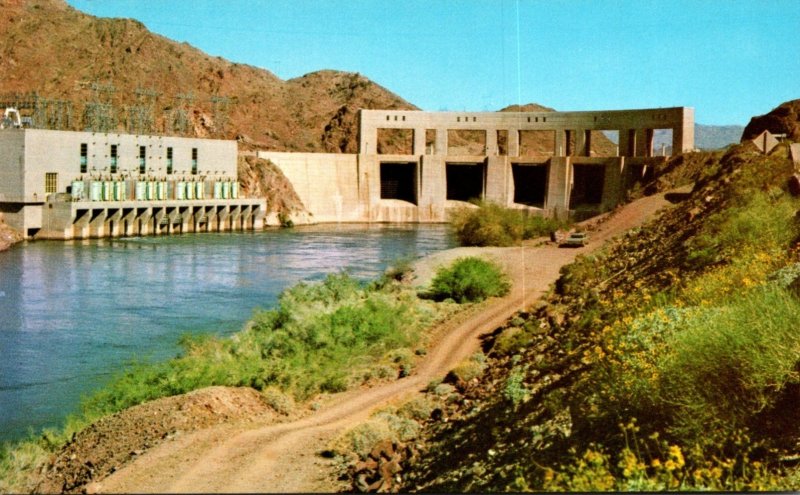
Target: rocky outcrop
(260, 178)
(784, 119)
(381, 471)
(8, 236)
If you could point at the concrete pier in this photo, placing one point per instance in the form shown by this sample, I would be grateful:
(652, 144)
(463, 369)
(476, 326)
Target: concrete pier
(68, 219)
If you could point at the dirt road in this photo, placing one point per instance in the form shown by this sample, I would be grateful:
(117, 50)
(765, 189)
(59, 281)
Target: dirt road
(284, 457)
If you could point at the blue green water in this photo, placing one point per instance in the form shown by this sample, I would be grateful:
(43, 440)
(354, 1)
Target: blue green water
(73, 313)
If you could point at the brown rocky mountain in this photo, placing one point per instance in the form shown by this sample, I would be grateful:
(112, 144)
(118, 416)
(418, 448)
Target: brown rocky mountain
(69, 70)
(784, 119)
(149, 83)
(601, 145)
(59, 53)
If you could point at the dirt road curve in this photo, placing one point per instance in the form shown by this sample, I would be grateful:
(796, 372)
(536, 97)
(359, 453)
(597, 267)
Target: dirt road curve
(284, 457)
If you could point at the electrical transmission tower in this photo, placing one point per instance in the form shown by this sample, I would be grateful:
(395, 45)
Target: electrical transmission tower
(52, 114)
(141, 118)
(99, 115)
(179, 117)
(221, 107)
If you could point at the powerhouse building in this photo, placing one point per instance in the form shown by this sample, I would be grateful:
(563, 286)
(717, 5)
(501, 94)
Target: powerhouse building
(74, 185)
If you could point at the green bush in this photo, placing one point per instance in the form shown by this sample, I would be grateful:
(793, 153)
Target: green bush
(470, 368)
(279, 401)
(469, 280)
(493, 225)
(322, 337)
(722, 371)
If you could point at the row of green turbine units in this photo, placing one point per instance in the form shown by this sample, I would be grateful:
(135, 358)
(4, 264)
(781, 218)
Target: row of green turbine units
(152, 190)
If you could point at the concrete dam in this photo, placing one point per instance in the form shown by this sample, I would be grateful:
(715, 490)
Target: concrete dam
(412, 166)
(449, 158)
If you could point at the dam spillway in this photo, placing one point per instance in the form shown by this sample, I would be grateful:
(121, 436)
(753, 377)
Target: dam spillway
(540, 162)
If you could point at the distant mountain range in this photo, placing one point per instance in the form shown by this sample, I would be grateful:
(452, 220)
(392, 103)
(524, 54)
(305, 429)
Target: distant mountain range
(706, 137)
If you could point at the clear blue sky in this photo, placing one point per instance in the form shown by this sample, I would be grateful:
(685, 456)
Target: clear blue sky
(728, 59)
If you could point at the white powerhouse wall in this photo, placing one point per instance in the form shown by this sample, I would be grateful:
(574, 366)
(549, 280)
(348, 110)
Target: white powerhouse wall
(327, 183)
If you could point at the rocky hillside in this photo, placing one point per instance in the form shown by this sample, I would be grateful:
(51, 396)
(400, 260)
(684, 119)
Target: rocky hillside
(315, 112)
(784, 119)
(263, 179)
(667, 361)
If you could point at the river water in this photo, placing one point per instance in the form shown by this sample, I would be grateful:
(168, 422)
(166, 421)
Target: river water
(73, 313)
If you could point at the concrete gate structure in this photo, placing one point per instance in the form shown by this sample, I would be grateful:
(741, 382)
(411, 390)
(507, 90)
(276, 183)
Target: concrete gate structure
(562, 179)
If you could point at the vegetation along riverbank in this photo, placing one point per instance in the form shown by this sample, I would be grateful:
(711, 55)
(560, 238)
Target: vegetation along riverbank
(321, 338)
(667, 361)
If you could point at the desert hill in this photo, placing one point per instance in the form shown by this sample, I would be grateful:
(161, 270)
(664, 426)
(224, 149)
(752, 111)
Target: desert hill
(116, 74)
(783, 119)
(314, 112)
(642, 369)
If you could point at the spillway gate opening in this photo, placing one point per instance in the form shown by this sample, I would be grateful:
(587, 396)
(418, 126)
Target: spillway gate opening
(465, 181)
(530, 184)
(399, 181)
(587, 186)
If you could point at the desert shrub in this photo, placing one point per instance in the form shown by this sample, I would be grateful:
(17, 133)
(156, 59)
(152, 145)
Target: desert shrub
(19, 464)
(515, 390)
(722, 371)
(786, 276)
(277, 400)
(443, 389)
(493, 225)
(469, 280)
(470, 368)
(403, 429)
(383, 425)
(361, 439)
(418, 409)
(512, 340)
(398, 271)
